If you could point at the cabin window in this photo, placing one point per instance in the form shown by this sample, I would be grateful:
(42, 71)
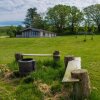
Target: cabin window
(24, 34)
(37, 34)
(33, 33)
(43, 33)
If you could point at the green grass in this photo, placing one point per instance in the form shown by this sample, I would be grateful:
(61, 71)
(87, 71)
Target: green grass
(89, 51)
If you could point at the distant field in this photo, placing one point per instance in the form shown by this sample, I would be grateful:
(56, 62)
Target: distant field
(3, 30)
(89, 51)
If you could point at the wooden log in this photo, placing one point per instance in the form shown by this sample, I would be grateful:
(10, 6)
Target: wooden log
(81, 89)
(56, 56)
(18, 56)
(41, 55)
(67, 59)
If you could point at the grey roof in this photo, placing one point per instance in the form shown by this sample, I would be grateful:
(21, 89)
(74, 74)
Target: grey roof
(32, 29)
(39, 30)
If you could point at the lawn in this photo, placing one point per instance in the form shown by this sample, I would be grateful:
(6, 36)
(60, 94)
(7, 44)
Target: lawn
(19, 89)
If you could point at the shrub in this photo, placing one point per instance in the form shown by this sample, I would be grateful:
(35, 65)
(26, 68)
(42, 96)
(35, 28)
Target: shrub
(16, 74)
(28, 92)
(51, 63)
(13, 65)
(28, 79)
(55, 88)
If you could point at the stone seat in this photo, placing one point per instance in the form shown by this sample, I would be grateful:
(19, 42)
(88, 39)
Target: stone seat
(72, 65)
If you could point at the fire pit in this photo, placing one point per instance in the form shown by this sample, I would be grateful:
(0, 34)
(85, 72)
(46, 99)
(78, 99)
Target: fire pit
(26, 66)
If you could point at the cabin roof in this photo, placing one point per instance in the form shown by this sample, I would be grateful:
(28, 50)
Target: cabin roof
(34, 29)
(39, 30)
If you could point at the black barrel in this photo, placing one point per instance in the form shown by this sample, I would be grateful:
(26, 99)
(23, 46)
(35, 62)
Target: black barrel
(26, 66)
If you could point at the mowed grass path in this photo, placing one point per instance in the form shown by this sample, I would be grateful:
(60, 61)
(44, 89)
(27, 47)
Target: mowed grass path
(89, 51)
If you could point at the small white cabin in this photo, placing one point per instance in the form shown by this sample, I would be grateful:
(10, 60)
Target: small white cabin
(33, 32)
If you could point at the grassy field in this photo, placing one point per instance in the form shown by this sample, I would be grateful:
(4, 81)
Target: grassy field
(18, 89)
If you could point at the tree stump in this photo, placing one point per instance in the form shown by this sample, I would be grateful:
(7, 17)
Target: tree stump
(81, 89)
(67, 59)
(26, 66)
(56, 56)
(18, 56)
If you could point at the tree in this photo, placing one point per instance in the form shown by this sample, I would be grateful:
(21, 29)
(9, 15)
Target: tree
(93, 30)
(75, 17)
(85, 31)
(58, 17)
(33, 19)
(93, 13)
(76, 29)
(11, 31)
(88, 21)
(29, 17)
(18, 30)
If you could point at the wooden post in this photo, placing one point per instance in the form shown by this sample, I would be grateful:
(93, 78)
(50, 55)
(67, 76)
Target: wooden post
(18, 56)
(56, 56)
(67, 59)
(81, 89)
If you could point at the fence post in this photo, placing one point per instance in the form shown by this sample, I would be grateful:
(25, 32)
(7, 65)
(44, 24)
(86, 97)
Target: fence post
(56, 56)
(18, 56)
(81, 89)
(67, 59)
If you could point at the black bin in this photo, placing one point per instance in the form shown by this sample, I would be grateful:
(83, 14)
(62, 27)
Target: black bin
(26, 66)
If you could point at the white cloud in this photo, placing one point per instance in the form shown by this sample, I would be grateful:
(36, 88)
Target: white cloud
(13, 10)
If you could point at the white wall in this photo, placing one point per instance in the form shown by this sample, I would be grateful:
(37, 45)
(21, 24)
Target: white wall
(30, 34)
(41, 34)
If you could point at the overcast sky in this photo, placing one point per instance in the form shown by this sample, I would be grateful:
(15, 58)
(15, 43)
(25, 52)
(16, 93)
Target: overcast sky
(15, 10)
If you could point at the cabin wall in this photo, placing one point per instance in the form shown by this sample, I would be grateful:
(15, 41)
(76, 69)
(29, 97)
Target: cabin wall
(29, 34)
(41, 34)
(32, 33)
(18, 36)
